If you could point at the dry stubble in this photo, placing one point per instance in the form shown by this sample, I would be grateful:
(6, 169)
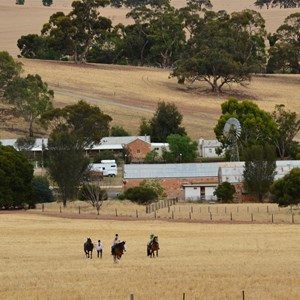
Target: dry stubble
(42, 258)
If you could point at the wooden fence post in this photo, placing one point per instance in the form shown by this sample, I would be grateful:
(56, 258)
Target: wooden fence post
(231, 216)
(183, 296)
(243, 294)
(272, 218)
(116, 212)
(131, 297)
(43, 207)
(293, 218)
(60, 208)
(252, 217)
(137, 214)
(210, 215)
(78, 209)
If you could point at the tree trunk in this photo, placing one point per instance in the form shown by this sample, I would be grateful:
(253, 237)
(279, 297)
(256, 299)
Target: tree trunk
(31, 128)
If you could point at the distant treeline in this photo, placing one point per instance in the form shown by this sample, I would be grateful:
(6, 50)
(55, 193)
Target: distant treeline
(193, 41)
(275, 3)
(134, 3)
(45, 2)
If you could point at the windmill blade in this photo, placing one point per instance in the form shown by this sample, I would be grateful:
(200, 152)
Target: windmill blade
(232, 123)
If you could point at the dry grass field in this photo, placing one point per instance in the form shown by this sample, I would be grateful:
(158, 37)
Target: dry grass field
(129, 93)
(180, 211)
(42, 257)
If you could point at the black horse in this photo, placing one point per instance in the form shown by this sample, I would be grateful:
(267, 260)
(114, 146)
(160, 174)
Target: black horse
(88, 247)
(153, 247)
(118, 251)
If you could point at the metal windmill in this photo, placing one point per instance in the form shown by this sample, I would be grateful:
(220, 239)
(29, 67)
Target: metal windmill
(232, 131)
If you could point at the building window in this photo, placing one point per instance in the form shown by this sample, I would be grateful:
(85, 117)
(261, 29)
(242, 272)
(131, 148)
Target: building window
(138, 151)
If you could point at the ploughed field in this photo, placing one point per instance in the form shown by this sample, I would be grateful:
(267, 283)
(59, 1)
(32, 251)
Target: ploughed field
(41, 257)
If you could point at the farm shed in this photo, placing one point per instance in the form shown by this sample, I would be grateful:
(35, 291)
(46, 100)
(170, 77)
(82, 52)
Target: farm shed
(186, 181)
(115, 144)
(233, 173)
(207, 148)
(196, 181)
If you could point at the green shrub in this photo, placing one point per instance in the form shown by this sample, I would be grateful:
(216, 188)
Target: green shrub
(225, 192)
(140, 194)
(41, 190)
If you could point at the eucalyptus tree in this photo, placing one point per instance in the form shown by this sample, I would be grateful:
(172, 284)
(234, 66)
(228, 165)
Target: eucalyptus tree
(75, 127)
(286, 190)
(47, 2)
(165, 121)
(75, 33)
(181, 149)
(224, 49)
(257, 126)
(260, 169)
(288, 126)
(275, 3)
(284, 53)
(165, 31)
(16, 173)
(30, 96)
(9, 69)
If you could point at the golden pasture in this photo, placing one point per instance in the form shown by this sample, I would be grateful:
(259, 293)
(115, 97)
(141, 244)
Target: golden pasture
(42, 257)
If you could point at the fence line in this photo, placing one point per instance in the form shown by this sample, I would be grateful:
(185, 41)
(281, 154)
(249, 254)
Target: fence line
(171, 209)
(185, 298)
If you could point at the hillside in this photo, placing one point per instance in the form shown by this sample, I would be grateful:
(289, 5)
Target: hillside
(129, 93)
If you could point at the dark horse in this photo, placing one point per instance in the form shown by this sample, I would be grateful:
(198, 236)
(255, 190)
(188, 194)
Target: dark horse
(88, 247)
(153, 247)
(118, 251)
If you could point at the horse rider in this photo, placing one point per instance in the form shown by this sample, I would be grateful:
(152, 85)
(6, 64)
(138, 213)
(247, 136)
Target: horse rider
(115, 242)
(152, 237)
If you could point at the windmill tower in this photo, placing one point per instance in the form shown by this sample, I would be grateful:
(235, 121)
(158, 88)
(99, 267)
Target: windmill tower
(232, 131)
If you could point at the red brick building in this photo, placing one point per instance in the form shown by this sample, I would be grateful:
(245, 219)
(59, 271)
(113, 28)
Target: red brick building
(138, 150)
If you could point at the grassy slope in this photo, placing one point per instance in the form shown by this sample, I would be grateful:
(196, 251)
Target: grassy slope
(128, 93)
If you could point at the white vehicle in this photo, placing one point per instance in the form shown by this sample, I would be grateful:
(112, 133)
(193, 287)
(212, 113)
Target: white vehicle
(107, 167)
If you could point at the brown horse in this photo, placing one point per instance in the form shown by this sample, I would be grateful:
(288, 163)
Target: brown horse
(153, 248)
(88, 247)
(118, 251)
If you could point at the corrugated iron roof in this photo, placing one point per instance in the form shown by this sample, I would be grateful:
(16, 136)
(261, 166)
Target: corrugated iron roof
(183, 170)
(229, 171)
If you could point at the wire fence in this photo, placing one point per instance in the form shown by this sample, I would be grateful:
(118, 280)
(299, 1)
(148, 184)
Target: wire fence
(171, 209)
